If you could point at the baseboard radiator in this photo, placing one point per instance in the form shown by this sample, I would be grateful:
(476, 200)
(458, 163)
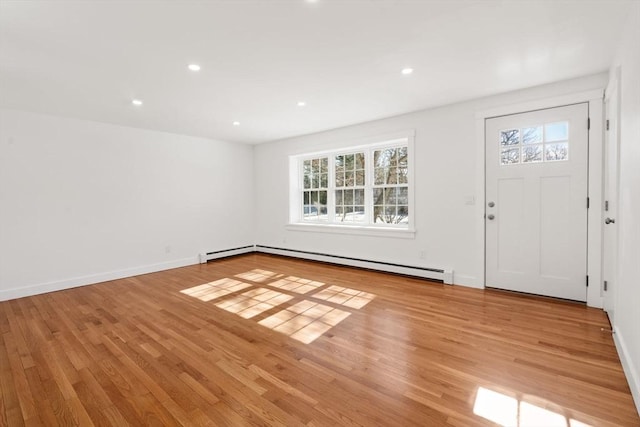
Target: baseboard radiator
(443, 275)
(208, 256)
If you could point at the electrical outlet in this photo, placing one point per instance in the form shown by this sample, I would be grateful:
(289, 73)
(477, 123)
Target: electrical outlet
(167, 249)
(422, 255)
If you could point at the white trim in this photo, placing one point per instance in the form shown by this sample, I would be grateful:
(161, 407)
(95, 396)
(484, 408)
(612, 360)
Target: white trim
(350, 149)
(541, 104)
(358, 142)
(596, 201)
(633, 378)
(379, 231)
(594, 256)
(611, 93)
(91, 279)
(467, 281)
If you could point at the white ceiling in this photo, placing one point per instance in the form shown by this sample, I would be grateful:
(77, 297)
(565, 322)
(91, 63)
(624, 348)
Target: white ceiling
(88, 59)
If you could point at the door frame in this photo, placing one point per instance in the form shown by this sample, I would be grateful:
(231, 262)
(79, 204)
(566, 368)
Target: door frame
(612, 95)
(595, 99)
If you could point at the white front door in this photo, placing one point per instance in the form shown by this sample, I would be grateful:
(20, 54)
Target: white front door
(611, 160)
(536, 202)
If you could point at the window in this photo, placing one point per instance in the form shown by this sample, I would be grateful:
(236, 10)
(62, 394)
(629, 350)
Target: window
(366, 186)
(391, 186)
(542, 143)
(315, 178)
(350, 188)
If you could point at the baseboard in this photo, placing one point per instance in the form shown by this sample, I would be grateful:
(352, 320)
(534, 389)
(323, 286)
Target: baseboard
(467, 281)
(75, 282)
(630, 370)
(208, 256)
(446, 276)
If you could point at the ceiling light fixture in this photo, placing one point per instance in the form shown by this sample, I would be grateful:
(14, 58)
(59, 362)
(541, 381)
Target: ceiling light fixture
(236, 123)
(136, 102)
(194, 67)
(301, 103)
(407, 71)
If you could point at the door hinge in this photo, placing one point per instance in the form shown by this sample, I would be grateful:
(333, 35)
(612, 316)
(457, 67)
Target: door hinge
(606, 285)
(606, 205)
(607, 124)
(588, 203)
(589, 123)
(587, 281)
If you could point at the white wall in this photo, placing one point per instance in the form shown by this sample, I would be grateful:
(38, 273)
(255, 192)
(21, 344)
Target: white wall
(627, 304)
(82, 202)
(446, 163)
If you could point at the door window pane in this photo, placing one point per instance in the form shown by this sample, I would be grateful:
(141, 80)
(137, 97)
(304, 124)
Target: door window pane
(510, 137)
(532, 135)
(555, 152)
(510, 156)
(556, 131)
(532, 153)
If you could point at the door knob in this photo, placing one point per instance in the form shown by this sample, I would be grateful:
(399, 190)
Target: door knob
(491, 216)
(610, 221)
(491, 204)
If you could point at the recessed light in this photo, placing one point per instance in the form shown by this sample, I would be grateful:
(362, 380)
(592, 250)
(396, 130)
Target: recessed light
(194, 67)
(301, 103)
(407, 71)
(136, 102)
(236, 123)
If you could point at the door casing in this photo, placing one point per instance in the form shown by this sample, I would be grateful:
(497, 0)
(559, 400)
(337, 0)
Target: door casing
(611, 195)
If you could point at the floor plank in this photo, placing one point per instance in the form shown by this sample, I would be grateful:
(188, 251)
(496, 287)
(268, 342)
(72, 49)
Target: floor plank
(267, 340)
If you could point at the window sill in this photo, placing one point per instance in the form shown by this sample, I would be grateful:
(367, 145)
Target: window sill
(354, 230)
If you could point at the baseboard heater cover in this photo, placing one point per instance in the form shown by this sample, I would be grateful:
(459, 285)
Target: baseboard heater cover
(208, 256)
(446, 276)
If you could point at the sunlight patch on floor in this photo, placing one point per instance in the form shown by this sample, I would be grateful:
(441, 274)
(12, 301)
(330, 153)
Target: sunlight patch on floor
(257, 275)
(305, 321)
(509, 411)
(296, 284)
(344, 296)
(253, 302)
(217, 289)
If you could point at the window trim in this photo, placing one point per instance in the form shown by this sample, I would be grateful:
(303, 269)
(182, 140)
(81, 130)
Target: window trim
(361, 230)
(369, 145)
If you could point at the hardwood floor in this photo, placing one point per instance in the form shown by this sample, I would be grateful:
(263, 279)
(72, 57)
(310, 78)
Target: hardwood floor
(265, 340)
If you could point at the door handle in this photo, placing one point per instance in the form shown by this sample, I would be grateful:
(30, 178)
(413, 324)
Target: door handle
(610, 221)
(490, 216)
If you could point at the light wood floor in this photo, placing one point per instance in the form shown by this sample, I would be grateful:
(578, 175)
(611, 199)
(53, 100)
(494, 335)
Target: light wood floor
(262, 340)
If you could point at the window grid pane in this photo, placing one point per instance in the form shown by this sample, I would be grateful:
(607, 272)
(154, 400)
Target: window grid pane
(315, 183)
(349, 193)
(390, 190)
(350, 170)
(391, 205)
